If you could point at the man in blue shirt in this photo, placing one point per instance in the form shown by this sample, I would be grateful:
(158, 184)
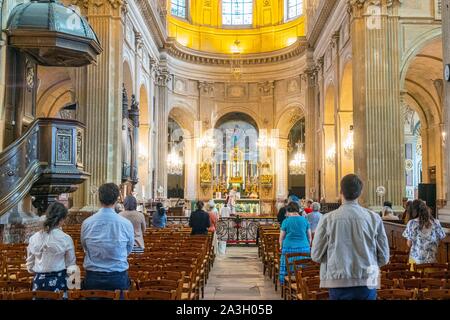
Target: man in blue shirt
(107, 239)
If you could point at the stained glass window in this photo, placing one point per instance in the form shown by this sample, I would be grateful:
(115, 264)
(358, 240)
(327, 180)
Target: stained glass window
(178, 8)
(294, 9)
(237, 12)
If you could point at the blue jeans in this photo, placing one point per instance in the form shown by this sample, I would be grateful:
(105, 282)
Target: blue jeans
(106, 281)
(353, 293)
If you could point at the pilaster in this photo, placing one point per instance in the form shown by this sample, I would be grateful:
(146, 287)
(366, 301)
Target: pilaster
(163, 78)
(379, 156)
(102, 113)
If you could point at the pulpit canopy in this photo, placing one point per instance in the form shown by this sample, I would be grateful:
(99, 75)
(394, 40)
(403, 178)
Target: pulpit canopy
(55, 35)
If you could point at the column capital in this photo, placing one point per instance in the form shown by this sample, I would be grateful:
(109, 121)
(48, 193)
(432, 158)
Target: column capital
(361, 8)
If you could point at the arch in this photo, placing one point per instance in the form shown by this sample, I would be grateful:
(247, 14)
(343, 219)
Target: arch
(415, 48)
(288, 118)
(236, 116)
(239, 109)
(346, 91)
(330, 106)
(184, 117)
(128, 78)
(144, 113)
(422, 85)
(55, 91)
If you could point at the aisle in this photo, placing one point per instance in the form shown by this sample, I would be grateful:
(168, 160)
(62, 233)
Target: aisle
(238, 276)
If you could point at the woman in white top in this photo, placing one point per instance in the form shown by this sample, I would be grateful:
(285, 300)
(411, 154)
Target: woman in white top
(50, 252)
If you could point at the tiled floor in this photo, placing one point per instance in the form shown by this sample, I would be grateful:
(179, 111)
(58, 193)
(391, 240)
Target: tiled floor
(238, 276)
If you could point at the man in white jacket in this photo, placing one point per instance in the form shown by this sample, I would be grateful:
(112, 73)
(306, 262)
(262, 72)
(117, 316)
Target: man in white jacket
(351, 245)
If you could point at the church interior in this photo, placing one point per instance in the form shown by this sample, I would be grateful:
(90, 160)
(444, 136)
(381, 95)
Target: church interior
(242, 106)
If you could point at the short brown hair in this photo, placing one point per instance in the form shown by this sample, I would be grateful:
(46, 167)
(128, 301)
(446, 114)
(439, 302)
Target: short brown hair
(108, 194)
(351, 187)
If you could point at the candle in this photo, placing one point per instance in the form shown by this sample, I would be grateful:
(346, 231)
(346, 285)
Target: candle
(125, 190)
(143, 192)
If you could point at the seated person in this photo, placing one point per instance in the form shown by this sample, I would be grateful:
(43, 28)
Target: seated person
(388, 214)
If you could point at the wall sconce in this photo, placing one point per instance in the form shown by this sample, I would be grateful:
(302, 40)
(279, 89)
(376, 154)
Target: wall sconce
(331, 155)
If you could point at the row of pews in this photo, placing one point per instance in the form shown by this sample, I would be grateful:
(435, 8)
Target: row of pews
(398, 280)
(174, 266)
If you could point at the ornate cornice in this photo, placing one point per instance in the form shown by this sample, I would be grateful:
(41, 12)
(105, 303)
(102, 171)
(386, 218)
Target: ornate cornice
(319, 20)
(153, 20)
(180, 52)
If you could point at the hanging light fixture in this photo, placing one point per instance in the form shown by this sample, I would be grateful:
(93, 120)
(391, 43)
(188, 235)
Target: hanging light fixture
(297, 166)
(349, 143)
(331, 154)
(174, 163)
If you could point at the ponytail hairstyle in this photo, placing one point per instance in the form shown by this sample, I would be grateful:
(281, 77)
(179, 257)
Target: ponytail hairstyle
(55, 213)
(160, 208)
(423, 213)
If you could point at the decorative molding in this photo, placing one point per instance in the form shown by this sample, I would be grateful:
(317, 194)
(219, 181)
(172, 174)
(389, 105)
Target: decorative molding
(198, 57)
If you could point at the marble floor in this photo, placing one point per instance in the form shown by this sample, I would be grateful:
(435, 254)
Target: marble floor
(238, 276)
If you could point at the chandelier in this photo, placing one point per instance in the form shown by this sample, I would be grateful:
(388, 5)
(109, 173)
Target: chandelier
(349, 144)
(236, 61)
(174, 163)
(297, 166)
(331, 154)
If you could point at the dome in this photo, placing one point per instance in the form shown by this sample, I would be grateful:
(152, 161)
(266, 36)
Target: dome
(43, 20)
(260, 26)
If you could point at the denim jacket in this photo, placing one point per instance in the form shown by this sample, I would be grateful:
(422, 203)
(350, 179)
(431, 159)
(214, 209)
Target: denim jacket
(351, 244)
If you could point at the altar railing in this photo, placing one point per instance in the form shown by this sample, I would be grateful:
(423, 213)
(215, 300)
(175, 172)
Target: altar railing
(233, 230)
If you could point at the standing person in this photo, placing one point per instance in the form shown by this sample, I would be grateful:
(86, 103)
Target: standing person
(213, 219)
(351, 244)
(107, 239)
(50, 252)
(225, 212)
(423, 235)
(159, 217)
(282, 212)
(314, 217)
(137, 219)
(232, 200)
(309, 208)
(295, 236)
(199, 220)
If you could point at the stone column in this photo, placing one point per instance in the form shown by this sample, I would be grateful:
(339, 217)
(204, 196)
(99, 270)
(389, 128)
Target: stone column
(102, 112)
(312, 164)
(281, 168)
(191, 169)
(444, 214)
(379, 151)
(162, 118)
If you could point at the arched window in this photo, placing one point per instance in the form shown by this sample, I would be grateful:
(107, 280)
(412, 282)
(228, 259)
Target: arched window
(178, 8)
(294, 9)
(237, 12)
